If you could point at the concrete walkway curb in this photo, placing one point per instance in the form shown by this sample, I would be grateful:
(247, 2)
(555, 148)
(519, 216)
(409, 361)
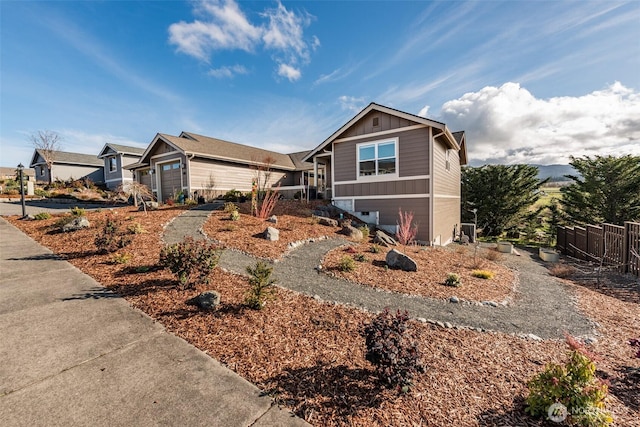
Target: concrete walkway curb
(73, 353)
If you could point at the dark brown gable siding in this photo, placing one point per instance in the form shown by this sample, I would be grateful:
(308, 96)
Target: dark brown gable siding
(162, 148)
(385, 122)
(417, 186)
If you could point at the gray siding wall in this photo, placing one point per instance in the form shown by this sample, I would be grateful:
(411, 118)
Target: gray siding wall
(388, 211)
(413, 186)
(66, 172)
(413, 154)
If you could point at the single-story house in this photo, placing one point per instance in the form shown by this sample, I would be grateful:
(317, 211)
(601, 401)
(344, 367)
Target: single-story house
(12, 173)
(68, 166)
(115, 158)
(383, 160)
(195, 165)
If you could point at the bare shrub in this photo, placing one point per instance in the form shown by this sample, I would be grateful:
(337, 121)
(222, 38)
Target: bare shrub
(562, 271)
(492, 255)
(407, 230)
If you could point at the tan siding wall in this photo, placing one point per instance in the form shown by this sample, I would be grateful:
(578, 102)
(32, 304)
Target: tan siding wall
(414, 186)
(227, 176)
(446, 215)
(385, 122)
(413, 154)
(445, 182)
(388, 209)
(65, 172)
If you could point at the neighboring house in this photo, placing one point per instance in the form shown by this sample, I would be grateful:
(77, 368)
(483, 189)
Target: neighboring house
(116, 158)
(12, 173)
(383, 160)
(195, 165)
(68, 166)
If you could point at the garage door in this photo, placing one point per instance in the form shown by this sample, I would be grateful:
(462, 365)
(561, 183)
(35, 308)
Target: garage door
(170, 180)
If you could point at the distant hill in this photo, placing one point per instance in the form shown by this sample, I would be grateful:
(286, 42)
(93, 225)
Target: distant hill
(555, 172)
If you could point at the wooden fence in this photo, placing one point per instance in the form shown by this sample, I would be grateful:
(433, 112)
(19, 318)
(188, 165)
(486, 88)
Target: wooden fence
(607, 243)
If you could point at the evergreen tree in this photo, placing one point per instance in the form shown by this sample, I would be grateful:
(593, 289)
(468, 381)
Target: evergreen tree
(500, 193)
(607, 189)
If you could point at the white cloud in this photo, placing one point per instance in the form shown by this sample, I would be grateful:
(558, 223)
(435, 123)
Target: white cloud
(227, 72)
(351, 103)
(424, 111)
(508, 124)
(223, 26)
(78, 141)
(289, 72)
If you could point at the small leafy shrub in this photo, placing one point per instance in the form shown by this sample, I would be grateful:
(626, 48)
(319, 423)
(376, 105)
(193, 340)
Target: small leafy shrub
(575, 386)
(234, 195)
(375, 249)
(562, 271)
(170, 202)
(234, 216)
(364, 228)
(62, 221)
(230, 207)
(110, 238)
(76, 211)
(42, 215)
(347, 264)
(483, 274)
(41, 193)
(190, 260)
(360, 258)
(261, 286)
(392, 349)
(229, 227)
(453, 279)
(136, 228)
(121, 258)
(191, 202)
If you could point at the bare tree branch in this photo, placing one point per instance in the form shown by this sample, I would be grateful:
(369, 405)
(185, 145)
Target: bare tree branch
(48, 143)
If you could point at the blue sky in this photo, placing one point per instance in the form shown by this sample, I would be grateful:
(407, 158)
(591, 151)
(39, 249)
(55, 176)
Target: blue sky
(530, 81)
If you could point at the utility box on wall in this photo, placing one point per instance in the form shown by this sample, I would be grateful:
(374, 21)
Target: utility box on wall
(469, 230)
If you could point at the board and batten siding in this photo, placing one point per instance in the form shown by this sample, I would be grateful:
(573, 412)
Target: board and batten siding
(388, 212)
(227, 176)
(385, 122)
(446, 193)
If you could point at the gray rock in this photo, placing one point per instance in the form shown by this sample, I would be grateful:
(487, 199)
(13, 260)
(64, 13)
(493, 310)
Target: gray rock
(151, 206)
(448, 325)
(207, 300)
(329, 222)
(384, 239)
(76, 224)
(439, 323)
(273, 219)
(490, 303)
(421, 319)
(590, 340)
(396, 259)
(454, 299)
(351, 231)
(271, 234)
(534, 337)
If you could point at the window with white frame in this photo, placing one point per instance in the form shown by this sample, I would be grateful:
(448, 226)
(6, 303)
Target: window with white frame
(447, 160)
(377, 158)
(113, 164)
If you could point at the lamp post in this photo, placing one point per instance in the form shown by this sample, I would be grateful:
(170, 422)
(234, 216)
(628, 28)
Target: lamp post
(24, 208)
(475, 224)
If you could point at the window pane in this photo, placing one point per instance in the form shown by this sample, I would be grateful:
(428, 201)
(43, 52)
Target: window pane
(386, 166)
(387, 150)
(367, 152)
(166, 167)
(176, 165)
(367, 168)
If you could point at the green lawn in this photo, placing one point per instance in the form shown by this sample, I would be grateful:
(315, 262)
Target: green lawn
(547, 193)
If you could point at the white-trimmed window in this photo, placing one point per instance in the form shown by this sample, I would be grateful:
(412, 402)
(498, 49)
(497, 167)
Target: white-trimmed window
(41, 170)
(377, 158)
(113, 164)
(447, 159)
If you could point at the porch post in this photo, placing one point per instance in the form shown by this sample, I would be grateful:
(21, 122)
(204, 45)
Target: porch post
(315, 173)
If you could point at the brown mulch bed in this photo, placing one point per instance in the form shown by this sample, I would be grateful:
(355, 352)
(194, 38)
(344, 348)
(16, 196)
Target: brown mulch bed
(309, 355)
(294, 223)
(434, 264)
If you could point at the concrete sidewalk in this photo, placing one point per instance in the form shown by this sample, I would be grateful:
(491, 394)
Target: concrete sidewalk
(73, 354)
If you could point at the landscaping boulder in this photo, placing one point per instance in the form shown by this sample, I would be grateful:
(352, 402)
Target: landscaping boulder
(384, 239)
(207, 300)
(329, 222)
(396, 259)
(351, 231)
(76, 224)
(151, 206)
(273, 219)
(271, 234)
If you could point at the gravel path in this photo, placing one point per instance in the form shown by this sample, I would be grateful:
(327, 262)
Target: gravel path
(543, 305)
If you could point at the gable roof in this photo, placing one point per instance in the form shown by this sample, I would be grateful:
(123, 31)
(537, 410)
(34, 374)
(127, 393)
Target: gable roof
(213, 148)
(120, 149)
(450, 140)
(298, 162)
(462, 143)
(65, 157)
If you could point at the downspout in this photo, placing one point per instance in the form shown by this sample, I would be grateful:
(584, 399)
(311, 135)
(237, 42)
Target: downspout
(432, 140)
(189, 157)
